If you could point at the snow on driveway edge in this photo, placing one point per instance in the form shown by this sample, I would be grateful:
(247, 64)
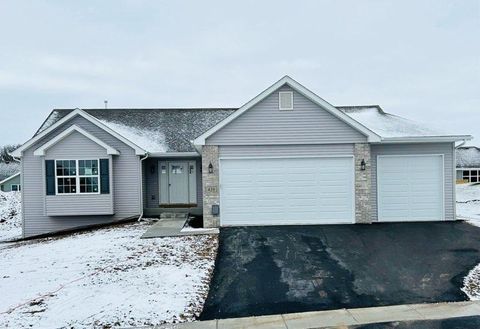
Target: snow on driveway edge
(471, 284)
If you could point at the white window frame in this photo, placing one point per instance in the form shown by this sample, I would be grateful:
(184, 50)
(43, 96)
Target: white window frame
(77, 177)
(470, 174)
(280, 93)
(19, 187)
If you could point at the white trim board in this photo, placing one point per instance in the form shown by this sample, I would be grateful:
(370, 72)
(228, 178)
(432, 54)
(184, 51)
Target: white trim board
(74, 128)
(372, 137)
(19, 151)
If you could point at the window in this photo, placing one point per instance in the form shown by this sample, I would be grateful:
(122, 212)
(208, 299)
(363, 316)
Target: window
(285, 100)
(470, 175)
(15, 187)
(177, 169)
(77, 176)
(474, 176)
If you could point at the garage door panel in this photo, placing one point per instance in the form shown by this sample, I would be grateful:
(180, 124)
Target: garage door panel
(410, 188)
(286, 191)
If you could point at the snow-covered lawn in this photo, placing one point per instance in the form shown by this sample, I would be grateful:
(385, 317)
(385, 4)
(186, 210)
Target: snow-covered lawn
(468, 202)
(468, 207)
(10, 215)
(105, 278)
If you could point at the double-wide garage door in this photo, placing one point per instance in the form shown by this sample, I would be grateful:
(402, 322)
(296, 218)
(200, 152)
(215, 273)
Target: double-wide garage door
(410, 188)
(287, 191)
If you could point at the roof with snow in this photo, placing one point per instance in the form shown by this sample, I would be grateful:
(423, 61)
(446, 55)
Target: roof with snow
(154, 130)
(387, 125)
(171, 130)
(468, 157)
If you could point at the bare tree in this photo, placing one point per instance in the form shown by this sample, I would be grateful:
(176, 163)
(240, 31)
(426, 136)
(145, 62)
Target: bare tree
(5, 150)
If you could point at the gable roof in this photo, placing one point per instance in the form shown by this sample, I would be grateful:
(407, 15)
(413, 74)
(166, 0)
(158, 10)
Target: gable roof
(67, 132)
(174, 130)
(18, 152)
(467, 157)
(153, 129)
(9, 178)
(286, 80)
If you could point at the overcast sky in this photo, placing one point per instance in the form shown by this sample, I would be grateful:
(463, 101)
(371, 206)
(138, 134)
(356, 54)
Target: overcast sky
(417, 59)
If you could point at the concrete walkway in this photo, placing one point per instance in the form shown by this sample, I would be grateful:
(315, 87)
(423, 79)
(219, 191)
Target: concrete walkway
(169, 227)
(341, 318)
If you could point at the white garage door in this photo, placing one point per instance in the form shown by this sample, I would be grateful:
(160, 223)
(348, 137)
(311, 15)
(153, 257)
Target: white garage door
(286, 191)
(410, 188)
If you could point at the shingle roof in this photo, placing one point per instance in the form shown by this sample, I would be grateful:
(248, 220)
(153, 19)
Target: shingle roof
(171, 129)
(468, 157)
(387, 125)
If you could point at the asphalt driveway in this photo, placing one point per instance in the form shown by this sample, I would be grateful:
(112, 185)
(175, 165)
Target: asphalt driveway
(284, 269)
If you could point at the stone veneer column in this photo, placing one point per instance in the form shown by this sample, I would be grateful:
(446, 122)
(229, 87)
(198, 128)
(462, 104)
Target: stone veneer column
(363, 183)
(210, 185)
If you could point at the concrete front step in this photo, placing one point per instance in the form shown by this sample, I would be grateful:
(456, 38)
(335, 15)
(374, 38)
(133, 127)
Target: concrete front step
(174, 215)
(342, 318)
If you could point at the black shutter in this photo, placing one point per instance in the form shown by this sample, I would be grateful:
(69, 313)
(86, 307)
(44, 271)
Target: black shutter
(50, 176)
(104, 176)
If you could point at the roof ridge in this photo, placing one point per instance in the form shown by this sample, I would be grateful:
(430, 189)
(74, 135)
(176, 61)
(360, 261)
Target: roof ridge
(148, 108)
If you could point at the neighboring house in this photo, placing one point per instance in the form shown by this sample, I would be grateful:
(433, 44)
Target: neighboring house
(285, 157)
(468, 164)
(11, 183)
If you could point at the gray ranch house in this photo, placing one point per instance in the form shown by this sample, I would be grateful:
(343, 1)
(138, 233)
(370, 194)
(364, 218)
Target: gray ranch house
(468, 164)
(287, 157)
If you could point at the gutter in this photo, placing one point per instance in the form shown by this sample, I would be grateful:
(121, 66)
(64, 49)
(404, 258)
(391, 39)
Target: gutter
(426, 139)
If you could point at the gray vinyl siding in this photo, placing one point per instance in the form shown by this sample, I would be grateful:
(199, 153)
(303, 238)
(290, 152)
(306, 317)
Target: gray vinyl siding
(83, 146)
(285, 150)
(86, 204)
(152, 189)
(265, 124)
(125, 180)
(7, 185)
(428, 148)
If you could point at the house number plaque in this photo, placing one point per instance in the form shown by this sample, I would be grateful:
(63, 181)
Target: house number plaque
(212, 189)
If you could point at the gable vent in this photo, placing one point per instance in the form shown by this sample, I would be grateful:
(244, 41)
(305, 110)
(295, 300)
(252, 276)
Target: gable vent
(285, 100)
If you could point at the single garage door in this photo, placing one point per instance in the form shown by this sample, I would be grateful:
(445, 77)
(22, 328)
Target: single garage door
(410, 188)
(286, 191)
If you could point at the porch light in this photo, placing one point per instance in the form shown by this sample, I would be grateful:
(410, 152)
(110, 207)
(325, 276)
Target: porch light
(210, 168)
(362, 165)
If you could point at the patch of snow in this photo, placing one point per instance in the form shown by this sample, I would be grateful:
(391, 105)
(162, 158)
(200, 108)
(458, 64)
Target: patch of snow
(51, 119)
(468, 157)
(388, 125)
(468, 202)
(200, 230)
(147, 139)
(10, 215)
(471, 284)
(105, 278)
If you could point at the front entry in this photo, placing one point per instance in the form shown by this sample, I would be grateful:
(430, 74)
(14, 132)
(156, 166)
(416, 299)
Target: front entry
(177, 182)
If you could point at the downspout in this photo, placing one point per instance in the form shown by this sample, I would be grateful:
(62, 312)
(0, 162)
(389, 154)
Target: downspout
(21, 193)
(455, 177)
(141, 185)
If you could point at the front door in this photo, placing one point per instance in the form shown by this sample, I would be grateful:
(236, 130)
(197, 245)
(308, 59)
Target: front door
(178, 182)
